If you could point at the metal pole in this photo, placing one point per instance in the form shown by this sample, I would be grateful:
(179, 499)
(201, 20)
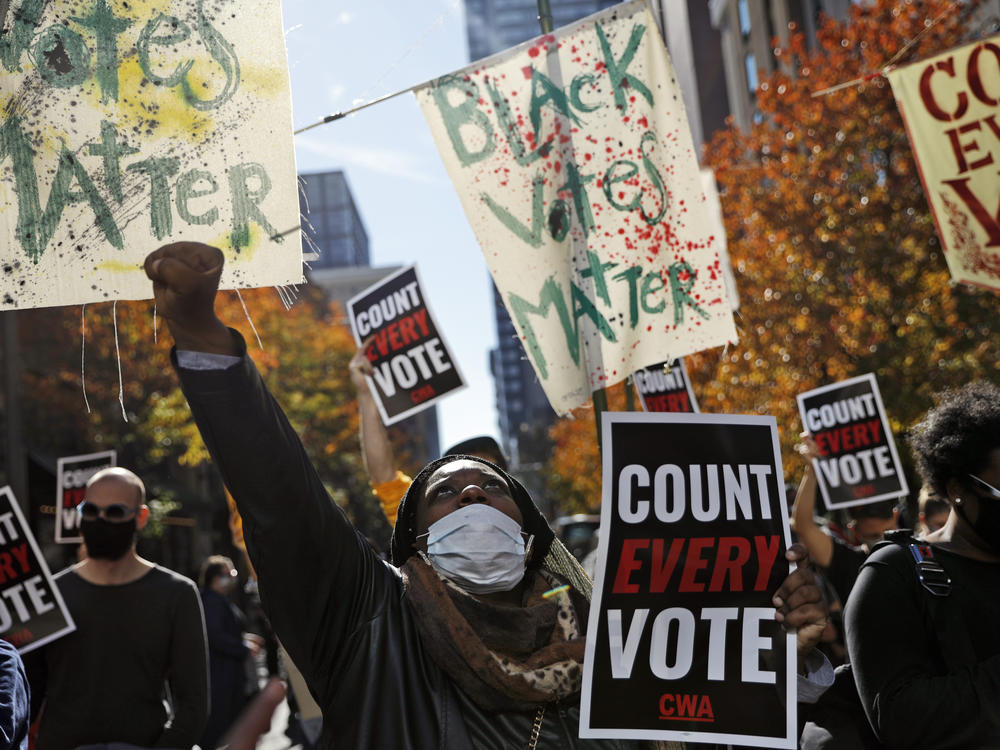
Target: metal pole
(545, 16)
(17, 462)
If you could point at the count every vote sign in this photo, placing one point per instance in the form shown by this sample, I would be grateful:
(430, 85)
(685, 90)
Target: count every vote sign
(682, 643)
(412, 367)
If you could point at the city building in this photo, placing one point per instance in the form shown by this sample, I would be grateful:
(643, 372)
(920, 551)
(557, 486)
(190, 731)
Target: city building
(334, 236)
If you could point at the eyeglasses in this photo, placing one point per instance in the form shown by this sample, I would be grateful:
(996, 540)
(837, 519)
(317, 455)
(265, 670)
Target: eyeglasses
(116, 513)
(989, 488)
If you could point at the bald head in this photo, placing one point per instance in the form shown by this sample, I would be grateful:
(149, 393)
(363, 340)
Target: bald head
(118, 475)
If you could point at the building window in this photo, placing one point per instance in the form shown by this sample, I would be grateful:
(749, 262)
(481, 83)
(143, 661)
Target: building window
(751, 66)
(744, 10)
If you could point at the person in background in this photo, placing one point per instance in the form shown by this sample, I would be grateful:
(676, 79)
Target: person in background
(839, 562)
(229, 647)
(15, 705)
(388, 483)
(933, 511)
(139, 637)
(922, 620)
(458, 646)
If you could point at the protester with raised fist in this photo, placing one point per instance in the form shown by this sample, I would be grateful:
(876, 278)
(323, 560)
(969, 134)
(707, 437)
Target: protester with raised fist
(922, 620)
(454, 645)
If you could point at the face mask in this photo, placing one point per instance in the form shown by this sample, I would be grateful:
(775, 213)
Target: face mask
(478, 548)
(106, 540)
(987, 525)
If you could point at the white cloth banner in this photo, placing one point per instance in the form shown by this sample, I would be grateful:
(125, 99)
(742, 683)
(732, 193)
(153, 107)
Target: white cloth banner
(127, 125)
(950, 104)
(574, 162)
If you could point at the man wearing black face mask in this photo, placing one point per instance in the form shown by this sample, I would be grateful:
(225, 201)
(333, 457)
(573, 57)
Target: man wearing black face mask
(139, 630)
(926, 652)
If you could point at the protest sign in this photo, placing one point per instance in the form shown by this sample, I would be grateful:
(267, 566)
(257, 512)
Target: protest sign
(950, 104)
(128, 125)
(857, 463)
(682, 643)
(72, 475)
(32, 611)
(665, 387)
(574, 163)
(413, 365)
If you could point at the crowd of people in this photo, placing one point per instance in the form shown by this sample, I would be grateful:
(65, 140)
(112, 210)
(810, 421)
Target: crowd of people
(452, 641)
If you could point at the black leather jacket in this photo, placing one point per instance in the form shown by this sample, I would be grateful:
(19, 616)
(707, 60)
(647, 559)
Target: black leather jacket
(337, 608)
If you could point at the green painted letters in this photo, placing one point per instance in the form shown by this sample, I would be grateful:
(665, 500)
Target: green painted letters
(186, 190)
(467, 113)
(106, 26)
(621, 80)
(159, 169)
(149, 37)
(245, 202)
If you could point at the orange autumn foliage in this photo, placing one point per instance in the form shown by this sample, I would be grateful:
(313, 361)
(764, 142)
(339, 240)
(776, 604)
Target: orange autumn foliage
(837, 260)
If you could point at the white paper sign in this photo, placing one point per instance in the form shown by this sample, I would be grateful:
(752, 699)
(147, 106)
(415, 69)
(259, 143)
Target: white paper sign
(126, 125)
(574, 162)
(951, 105)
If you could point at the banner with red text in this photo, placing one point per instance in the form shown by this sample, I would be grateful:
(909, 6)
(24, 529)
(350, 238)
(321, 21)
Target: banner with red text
(127, 125)
(413, 366)
(573, 159)
(682, 643)
(72, 475)
(32, 611)
(858, 463)
(665, 387)
(951, 107)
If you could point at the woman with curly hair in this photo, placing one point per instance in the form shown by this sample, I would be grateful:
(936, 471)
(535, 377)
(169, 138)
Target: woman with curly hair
(922, 619)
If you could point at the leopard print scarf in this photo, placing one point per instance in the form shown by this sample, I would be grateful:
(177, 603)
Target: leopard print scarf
(503, 658)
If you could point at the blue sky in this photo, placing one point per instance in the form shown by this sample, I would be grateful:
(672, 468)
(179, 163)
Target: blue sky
(339, 53)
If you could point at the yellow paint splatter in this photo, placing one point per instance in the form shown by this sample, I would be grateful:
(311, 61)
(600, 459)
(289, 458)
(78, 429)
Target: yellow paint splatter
(243, 254)
(263, 82)
(157, 111)
(119, 266)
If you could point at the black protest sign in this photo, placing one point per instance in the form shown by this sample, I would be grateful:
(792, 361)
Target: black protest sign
(32, 611)
(682, 643)
(72, 476)
(413, 365)
(665, 387)
(857, 462)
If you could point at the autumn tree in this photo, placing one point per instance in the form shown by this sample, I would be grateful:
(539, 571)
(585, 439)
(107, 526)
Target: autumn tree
(303, 357)
(837, 260)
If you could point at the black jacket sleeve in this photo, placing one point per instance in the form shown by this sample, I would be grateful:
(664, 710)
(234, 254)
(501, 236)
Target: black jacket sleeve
(910, 697)
(319, 579)
(188, 675)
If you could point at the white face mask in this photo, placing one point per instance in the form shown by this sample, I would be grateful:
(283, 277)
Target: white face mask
(478, 548)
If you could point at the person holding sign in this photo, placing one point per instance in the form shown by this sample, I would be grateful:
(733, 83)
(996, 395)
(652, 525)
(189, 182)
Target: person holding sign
(475, 640)
(923, 635)
(839, 560)
(139, 629)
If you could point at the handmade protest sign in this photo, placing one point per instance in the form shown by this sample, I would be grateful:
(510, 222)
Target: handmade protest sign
(126, 125)
(857, 463)
(574, 163)
(413, 366)
(682, 643)
(32, 611)
(665, 387)
(951, 105)
(72, 475)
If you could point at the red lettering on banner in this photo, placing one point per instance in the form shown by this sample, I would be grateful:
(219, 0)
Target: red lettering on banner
(686, 707)
(725, 564)
(694, 564)
(767, 553)
(627, 564)
(991, 224)
(399, 334)
(15, 557)
(849, 437)
(730, 560)
(662, 570)
(422, 394)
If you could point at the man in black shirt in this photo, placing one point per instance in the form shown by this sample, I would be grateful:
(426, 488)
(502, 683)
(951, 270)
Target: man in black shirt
(139, 629)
